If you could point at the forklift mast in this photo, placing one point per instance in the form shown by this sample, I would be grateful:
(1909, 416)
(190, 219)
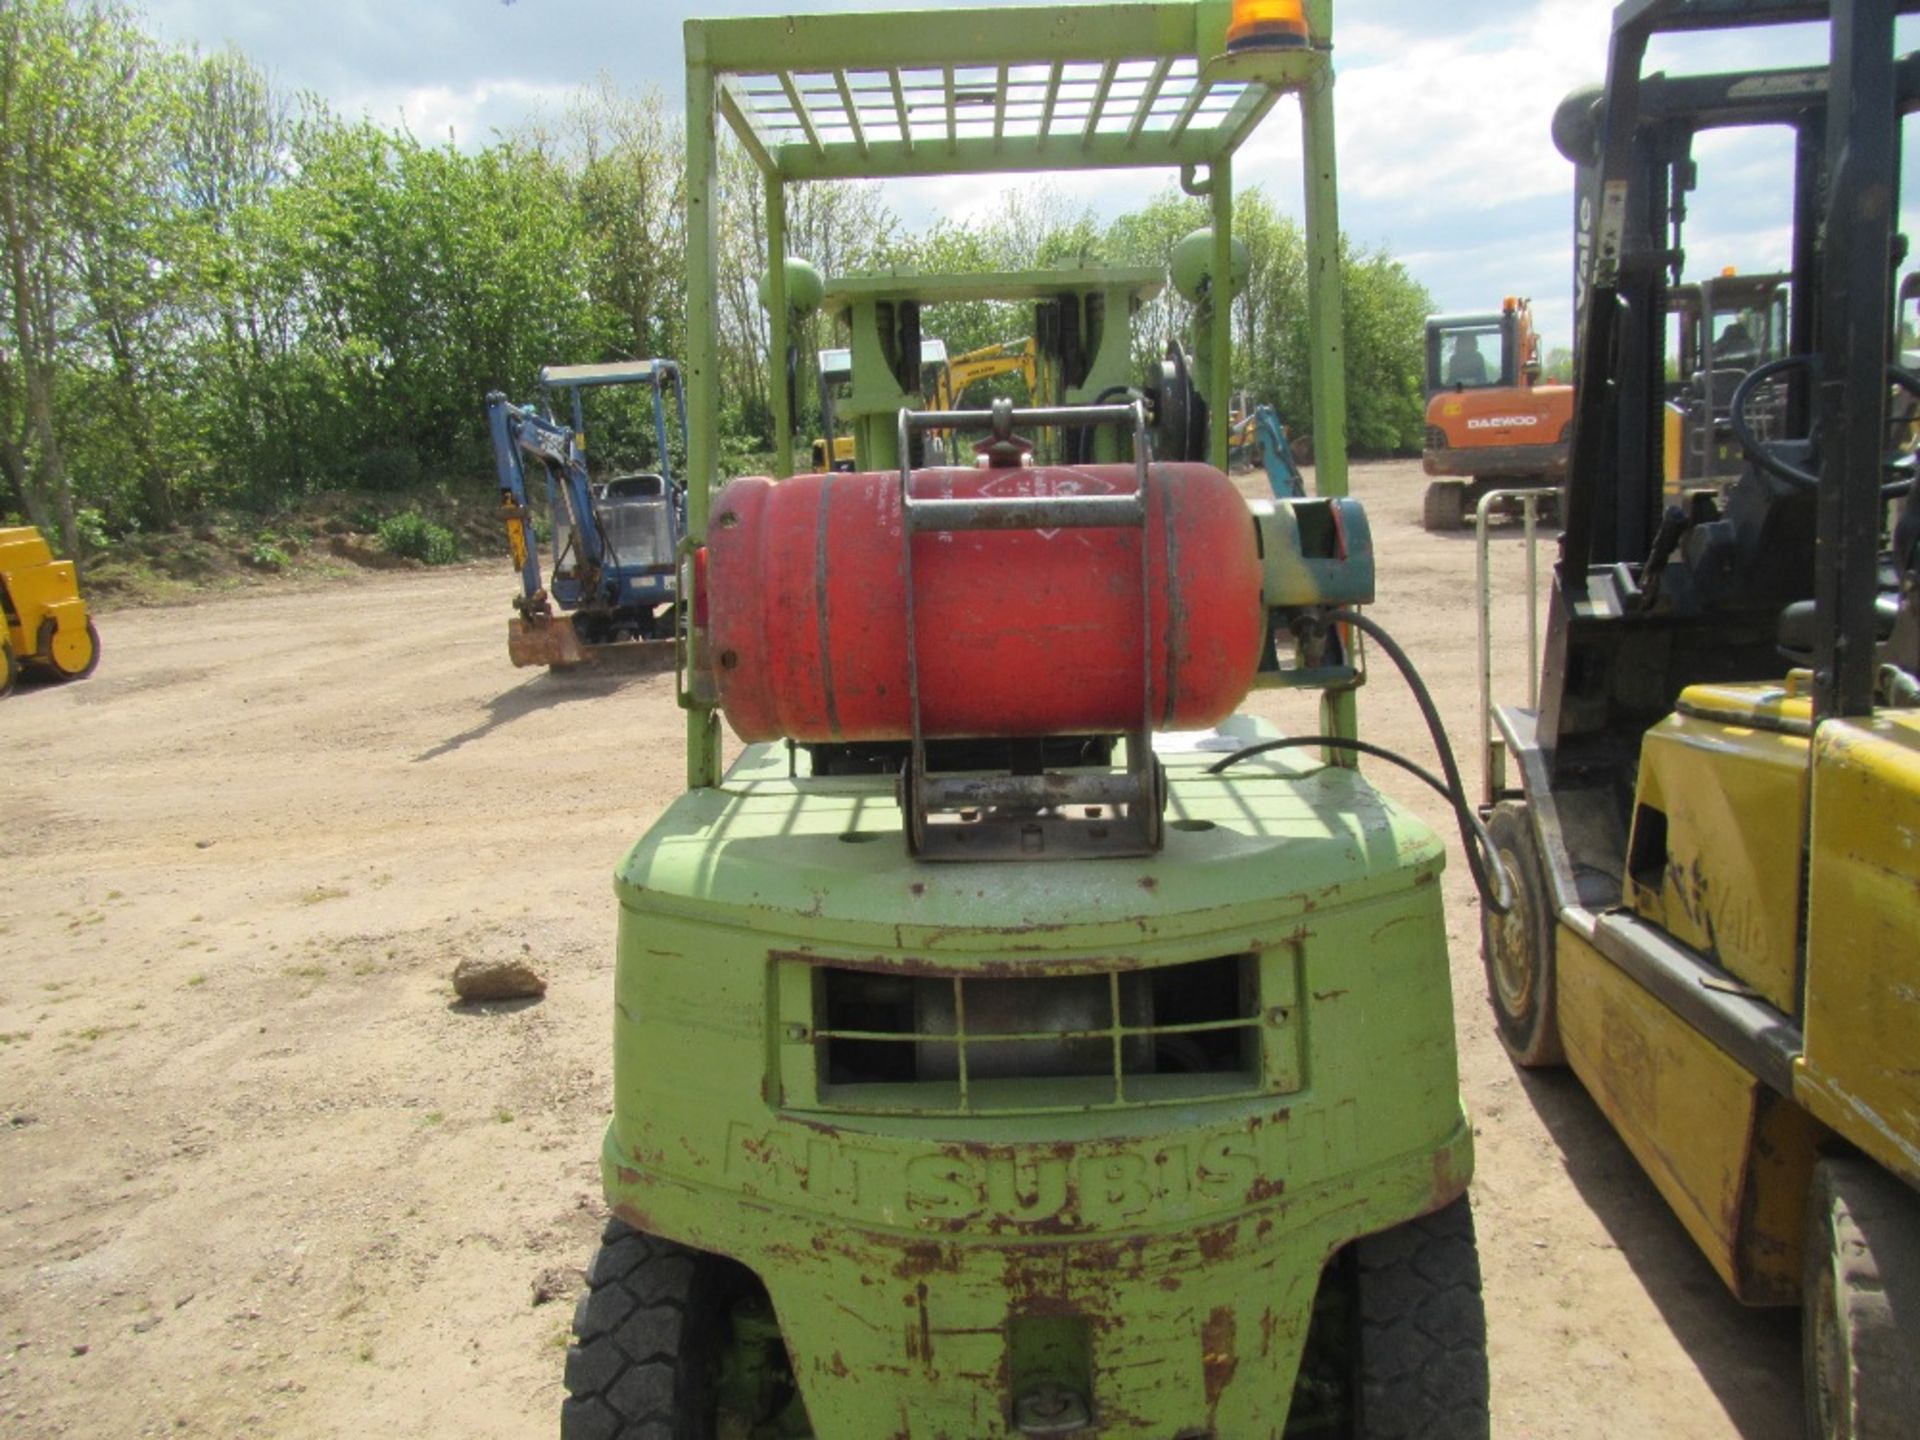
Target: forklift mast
(1645, 603)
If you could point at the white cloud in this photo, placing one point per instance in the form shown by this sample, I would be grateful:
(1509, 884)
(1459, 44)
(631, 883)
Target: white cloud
(1451, 123)
(469, 115)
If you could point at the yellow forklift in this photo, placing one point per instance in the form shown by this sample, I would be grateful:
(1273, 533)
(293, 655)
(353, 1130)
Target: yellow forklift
(1712, 815)
(45, 622)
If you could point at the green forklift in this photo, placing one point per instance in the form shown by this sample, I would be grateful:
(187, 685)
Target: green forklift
(1014, 1040)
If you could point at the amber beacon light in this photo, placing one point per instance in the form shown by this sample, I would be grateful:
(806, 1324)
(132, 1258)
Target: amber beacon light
(1266, 25)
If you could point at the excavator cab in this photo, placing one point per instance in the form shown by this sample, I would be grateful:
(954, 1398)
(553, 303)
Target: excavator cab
(1471, 352)
(1717, 331)
(640, 513)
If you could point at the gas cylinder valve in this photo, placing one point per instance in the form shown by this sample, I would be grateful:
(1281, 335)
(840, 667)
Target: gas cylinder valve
(1316, 556)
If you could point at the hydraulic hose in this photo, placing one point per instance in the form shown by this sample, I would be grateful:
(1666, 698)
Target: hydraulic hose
(1079, 443)
(1490, 877)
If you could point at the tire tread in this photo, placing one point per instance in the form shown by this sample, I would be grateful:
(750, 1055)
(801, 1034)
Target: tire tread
(624, 1375)
(1863, 1227)
(1423, 1331)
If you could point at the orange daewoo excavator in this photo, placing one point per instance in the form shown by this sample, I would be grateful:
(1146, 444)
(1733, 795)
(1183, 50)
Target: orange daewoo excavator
(1491, 424)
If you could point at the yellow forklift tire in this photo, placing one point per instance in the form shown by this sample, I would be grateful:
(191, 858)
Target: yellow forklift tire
(1860, 1344)
(66, 669)
(1517, 948)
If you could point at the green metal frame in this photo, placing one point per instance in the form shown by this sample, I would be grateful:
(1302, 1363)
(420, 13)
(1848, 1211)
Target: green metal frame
(874, 406)
(1069, 87)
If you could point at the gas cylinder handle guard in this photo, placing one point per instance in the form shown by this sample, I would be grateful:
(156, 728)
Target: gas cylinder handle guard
(1006, 816)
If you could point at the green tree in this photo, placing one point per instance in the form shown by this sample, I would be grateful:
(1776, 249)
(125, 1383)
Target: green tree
(430, 277)
(1386, 313)
(75, 101)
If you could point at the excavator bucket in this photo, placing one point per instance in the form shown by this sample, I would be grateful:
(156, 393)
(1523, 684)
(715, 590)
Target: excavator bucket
(544, 640)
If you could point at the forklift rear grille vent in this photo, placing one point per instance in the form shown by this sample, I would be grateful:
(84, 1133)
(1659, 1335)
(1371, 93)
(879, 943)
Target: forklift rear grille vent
(885, 1042)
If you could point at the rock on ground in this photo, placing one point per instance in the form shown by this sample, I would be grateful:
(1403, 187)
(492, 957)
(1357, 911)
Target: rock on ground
(480, 979)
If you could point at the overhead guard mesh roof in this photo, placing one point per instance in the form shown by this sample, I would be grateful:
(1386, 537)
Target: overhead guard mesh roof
(956, 91)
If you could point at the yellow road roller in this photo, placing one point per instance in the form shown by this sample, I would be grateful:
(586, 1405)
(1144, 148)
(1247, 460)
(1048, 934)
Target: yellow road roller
(47, 626)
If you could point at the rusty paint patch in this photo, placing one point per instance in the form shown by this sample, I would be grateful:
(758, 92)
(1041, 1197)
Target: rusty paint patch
(1219, 1357)
(1217, 1243)
(1266, 1187)
(919, 1258)
(920, 1331)
(1328, 994)
(819, 1127)
(1149, 882)
(637, 1218)
(918, 887)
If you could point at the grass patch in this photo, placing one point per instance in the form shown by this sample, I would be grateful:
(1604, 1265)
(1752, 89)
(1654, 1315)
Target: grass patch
(265, 555)
(413, 535)
(76, 1039)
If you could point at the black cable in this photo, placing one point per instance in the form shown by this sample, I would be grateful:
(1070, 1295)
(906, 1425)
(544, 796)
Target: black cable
(1333, 742)
(1477, 839)
(1490, 877)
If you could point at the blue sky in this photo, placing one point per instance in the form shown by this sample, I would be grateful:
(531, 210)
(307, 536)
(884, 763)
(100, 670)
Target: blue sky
(1442, 113)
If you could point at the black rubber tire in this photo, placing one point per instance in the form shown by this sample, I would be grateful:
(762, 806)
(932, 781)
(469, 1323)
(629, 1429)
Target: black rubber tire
(1445, 506)
(1860, 1307)
(646, 1340)
(9, 667)
(1423, 1331)
(93, 657)
(1517, 949)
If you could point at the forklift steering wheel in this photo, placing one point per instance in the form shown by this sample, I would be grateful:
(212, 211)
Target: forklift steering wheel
(1761, 452)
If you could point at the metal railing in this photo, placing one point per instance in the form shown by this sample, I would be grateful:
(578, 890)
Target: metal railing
(1493, 761)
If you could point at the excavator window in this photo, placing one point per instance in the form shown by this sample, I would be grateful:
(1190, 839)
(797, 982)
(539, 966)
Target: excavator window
(1469, 353)
(1465, 364)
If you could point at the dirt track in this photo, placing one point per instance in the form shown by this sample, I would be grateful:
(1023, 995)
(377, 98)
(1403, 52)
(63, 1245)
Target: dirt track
(259, 1177)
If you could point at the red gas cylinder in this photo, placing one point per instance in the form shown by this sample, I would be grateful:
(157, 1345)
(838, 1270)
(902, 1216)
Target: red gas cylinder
(1019, 632)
